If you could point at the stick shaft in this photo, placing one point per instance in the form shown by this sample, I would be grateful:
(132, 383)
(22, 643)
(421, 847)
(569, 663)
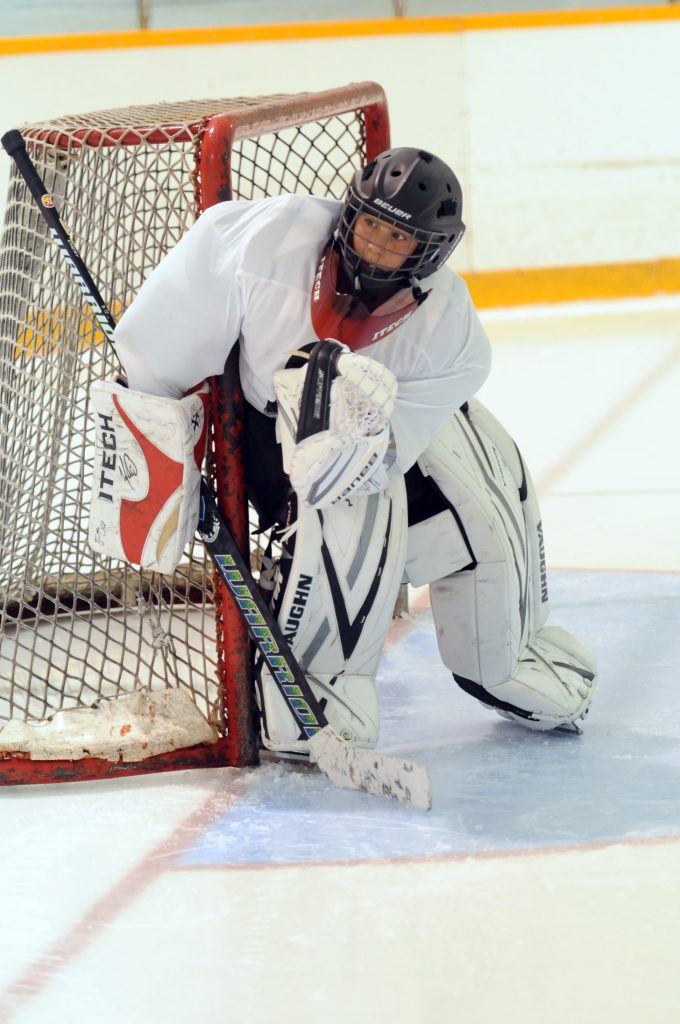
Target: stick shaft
(14, 144)
(261, 624)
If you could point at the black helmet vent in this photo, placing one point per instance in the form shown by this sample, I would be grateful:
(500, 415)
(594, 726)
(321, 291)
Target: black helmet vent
(448, 208)
(368, 171)
(427, 157)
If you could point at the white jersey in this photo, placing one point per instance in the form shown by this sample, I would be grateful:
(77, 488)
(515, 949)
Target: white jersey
(245, 272)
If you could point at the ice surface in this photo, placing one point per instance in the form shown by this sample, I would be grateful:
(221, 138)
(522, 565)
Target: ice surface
(544, 886)
(496, 786)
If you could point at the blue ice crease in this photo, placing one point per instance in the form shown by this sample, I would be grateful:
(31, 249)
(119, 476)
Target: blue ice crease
(495, 785)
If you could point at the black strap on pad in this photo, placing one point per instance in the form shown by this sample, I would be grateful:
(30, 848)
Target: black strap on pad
(315, 405)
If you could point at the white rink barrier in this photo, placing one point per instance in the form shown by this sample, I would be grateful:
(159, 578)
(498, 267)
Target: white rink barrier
(564, 136)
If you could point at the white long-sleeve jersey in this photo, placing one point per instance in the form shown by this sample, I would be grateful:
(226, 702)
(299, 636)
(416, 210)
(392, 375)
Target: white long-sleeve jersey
(245, 272)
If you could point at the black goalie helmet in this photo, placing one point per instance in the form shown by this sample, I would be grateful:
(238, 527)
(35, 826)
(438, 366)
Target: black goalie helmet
(421, 196)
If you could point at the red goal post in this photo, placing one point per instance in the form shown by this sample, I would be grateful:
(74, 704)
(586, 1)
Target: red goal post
(106, 670)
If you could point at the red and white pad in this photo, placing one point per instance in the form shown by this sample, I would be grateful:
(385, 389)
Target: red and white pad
(145, 490)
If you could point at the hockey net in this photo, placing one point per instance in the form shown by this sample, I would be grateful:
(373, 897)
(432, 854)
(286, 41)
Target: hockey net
(105, 669)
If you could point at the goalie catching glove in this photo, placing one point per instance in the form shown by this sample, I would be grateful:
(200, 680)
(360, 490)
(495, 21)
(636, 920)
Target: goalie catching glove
(145, 491)
(333, 424)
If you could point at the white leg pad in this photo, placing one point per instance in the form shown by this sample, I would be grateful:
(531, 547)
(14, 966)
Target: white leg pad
(490, 618)
(551, 685)
(334, 602)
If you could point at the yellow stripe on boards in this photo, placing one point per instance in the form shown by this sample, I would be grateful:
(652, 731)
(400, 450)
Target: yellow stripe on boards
(295, 31)
(528, 286)
(44, 330)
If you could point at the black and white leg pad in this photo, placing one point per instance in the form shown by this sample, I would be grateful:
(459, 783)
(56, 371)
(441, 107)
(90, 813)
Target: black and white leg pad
(491, 605)
(334, 600)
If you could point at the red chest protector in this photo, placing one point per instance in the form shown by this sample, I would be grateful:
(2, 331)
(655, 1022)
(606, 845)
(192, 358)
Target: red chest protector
(336, 315)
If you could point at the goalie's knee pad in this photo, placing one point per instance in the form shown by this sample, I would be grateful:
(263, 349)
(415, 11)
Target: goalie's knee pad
(490, 598)
(334, 597)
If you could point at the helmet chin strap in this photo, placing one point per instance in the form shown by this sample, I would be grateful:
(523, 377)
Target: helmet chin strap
(374, 291)
(418, 294)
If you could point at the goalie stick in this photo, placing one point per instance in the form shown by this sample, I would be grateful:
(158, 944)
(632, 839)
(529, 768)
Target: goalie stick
(341, 762)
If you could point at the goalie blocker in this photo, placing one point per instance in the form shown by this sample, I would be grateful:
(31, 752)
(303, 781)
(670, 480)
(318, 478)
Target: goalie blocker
(148, 455)
(474, 534)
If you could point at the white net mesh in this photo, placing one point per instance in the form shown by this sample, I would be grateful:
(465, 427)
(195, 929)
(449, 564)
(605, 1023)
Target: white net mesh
(75, 628)
(363, 397)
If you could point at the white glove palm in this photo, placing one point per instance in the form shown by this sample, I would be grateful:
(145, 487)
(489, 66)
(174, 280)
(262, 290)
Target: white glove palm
(348, 456)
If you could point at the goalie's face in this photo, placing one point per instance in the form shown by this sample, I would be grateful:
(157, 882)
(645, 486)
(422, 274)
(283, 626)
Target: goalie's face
(380, 243)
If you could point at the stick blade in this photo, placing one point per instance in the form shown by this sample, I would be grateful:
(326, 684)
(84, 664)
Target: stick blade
(376, 773)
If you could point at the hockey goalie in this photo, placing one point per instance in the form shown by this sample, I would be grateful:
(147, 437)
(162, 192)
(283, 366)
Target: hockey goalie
(366, 452)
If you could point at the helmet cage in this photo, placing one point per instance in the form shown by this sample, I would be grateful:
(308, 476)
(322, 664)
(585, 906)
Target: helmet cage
(433, 249)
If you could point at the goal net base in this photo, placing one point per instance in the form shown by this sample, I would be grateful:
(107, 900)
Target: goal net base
(22, 769)
(132, 727)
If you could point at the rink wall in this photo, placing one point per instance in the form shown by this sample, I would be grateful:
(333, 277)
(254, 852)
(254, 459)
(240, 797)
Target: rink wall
(562, 125)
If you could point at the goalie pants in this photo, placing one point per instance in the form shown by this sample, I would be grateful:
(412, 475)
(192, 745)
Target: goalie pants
(465, 519)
